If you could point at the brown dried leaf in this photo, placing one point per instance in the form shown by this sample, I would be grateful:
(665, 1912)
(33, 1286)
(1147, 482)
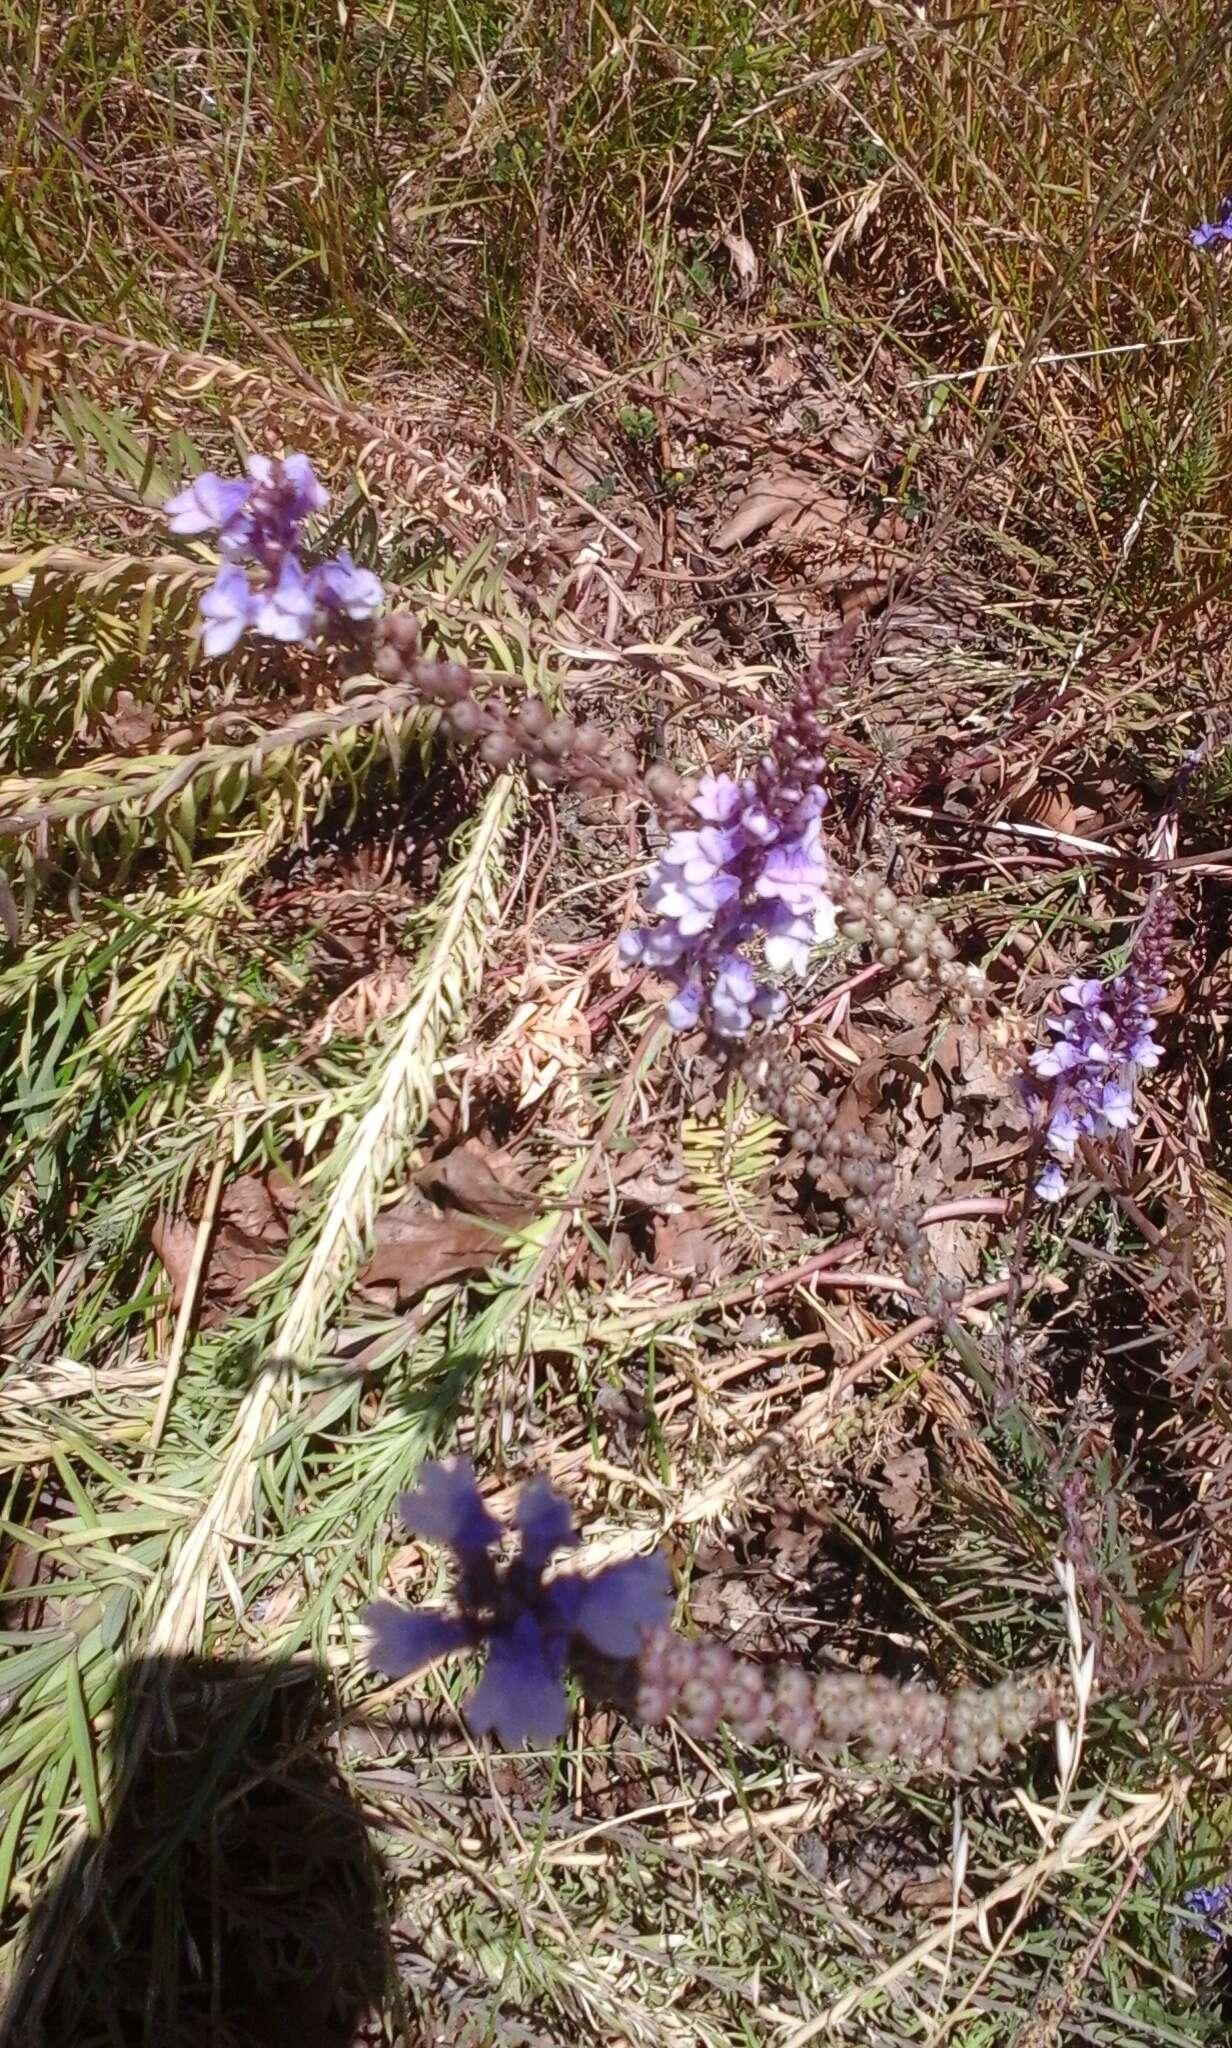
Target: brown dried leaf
(257, 1204)
(172, 1239)
(359, 1007)
(686, 1247)
(784, 498)
(418, 1246)
(903, 1489)
(744, 261)
(483, 1181)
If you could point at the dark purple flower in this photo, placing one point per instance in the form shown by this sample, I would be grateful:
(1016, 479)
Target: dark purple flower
(446, 1506)
(527, 1627)
(1213, 1905)
(1209, 232)
(228, 608)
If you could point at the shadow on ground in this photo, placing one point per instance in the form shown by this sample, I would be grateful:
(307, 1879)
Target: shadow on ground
(234, 1900)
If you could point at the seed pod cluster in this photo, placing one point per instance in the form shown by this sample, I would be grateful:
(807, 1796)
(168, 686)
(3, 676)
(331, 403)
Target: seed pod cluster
(554, 749)
(704, 1683)
(908, 937)
(877, 1210)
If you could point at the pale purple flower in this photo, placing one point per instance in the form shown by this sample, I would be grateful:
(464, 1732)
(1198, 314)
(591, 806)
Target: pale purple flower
(228, 608)
(207, 503)
(732, 997)
(1083, 1084)
(718, 799)
(339, 586)
(1209, 232)
(260, 520)
(287, 608)
(529, 1628)
(753, 875)
(686, 1006)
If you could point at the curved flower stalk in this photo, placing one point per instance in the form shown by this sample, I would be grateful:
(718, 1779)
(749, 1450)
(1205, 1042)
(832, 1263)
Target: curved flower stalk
(260, 520)
(612, 1629)
(1083, 1084)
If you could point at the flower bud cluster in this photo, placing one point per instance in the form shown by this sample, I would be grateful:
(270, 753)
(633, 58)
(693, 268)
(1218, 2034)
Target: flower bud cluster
(553, 749)
(820, 1713)
(890, 1222)
(907, 937)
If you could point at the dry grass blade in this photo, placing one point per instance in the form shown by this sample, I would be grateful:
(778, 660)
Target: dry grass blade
(447, 975)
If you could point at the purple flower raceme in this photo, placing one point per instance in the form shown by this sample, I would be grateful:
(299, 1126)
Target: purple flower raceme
(1209, 233)
(1213, 1905)
(1082, 1084)
(753, 874)
(260, 520)
(528, 1627)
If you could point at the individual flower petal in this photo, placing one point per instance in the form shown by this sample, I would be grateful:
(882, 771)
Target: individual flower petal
(208, 502)
(1064, 1130)
(287, 609)
(401, 1640)
(789, 942)
(794, 872)
(630, 947)
(544, 1521)
(228, 608)
(1083, 993)
(685, 1007)
(1051, 1184)
(768, 1003)
(718, 799)
(521, 1696)
(1116, 1105)
(731, 997)
(304, 493)
(339, 586)
(662, 948)
(621, 1602)
(446, 1506)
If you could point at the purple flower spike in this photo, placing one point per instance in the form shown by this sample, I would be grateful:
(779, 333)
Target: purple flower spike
(1213, 1905)
(228, 608)
(529, 1629)
(753, 876)
(260, 520)
(1083, 1084)
(207, 503)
